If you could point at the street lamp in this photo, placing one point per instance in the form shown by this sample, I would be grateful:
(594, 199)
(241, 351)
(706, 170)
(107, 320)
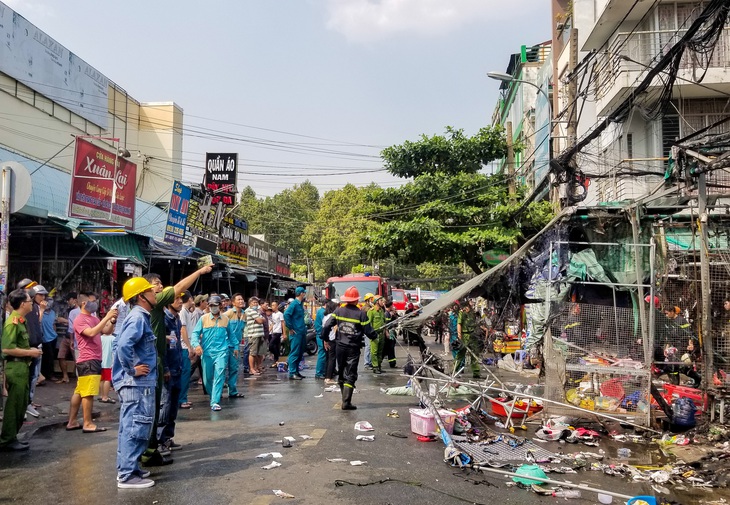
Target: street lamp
(504, 77)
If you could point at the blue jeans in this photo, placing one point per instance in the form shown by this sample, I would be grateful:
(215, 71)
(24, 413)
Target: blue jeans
(368, 358)
(136, 416)
(246, 348)
(232, 374)
(184, 377)
(168, 409)
(321, 359)
(35, 372)
(296, 351)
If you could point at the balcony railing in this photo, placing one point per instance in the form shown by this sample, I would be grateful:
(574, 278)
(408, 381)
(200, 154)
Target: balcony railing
(639, 51)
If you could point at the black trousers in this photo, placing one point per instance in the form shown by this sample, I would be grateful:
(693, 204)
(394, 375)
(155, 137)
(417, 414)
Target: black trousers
(275, 345)
(331, 360)
(348, 357)
(389, 350)
(49, 355)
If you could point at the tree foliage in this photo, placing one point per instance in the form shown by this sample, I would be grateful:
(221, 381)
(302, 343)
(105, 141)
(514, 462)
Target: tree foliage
(450, 212)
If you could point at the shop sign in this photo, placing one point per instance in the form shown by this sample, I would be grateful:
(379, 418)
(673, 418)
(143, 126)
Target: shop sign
(221, 170)
(100, 191)
(234, 241)
(283, 262)
(177, 214)
(258, 254)
(205, 218)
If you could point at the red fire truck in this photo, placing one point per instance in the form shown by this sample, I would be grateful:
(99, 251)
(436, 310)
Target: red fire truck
(365, 283)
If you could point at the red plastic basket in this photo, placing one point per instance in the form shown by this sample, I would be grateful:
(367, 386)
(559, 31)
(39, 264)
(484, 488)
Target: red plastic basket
(613, 388)
(500, 408)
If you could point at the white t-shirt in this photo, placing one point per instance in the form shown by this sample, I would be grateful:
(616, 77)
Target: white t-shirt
(276, 319)
(333, 332)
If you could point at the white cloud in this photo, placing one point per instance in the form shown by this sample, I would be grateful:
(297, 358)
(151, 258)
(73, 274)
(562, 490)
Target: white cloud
(365, 20)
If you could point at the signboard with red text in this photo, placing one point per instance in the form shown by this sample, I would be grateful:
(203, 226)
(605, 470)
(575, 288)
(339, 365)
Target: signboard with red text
(101, 192)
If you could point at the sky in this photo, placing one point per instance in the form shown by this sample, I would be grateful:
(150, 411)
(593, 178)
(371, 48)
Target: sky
(301, 89)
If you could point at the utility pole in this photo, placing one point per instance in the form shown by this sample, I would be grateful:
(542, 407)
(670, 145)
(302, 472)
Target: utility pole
(706, 322)
(572, 130)
(511, 163)
(7, 173)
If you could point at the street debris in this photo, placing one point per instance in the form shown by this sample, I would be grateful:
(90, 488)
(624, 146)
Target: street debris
(282, 494)
(336, 460)
(365, 438)
(357, 462)
(332, 389)
(364, 426)
(396, 434)
(393, 413)
(305, 437)
(321, 395)
(271, 465)
(274, 455)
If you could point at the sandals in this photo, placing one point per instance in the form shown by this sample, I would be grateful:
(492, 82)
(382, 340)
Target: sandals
(108, 400)
(215, 407)
(186, 405)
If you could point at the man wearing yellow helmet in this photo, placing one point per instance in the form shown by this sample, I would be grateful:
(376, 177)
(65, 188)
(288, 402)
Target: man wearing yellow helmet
(376, 318)
(134, 375)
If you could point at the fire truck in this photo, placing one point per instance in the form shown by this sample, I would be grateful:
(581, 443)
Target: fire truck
(365, 283)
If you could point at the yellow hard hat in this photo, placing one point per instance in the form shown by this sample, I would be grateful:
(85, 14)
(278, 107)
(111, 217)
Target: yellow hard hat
(368, 296)
(135, 286)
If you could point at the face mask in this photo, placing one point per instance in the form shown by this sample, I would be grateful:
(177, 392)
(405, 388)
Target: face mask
(215, 310)
(92, 307)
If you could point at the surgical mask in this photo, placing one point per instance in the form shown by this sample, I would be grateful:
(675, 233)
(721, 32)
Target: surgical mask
(92, 307)
(215, 309)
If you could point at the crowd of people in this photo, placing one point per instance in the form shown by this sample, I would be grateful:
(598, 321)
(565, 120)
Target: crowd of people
(147, 346)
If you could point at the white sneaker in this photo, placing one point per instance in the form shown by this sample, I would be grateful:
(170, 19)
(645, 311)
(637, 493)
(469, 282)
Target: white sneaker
(32, 411)
(135, 483)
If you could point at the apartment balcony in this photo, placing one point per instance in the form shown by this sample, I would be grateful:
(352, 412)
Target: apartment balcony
(630, 55)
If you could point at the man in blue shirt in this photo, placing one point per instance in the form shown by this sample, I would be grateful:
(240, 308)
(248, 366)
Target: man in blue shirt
(134, 375)
(322, 354)
(294, 319)
(48, 326)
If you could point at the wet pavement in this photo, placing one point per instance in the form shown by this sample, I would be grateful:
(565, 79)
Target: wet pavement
(218, 464)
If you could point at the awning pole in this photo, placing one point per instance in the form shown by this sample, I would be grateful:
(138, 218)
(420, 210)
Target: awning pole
(95, 243)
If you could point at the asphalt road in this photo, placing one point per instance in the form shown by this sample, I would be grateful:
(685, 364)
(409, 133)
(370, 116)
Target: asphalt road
(218, 463)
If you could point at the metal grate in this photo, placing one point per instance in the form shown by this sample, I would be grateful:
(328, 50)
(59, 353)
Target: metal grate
(501, 451)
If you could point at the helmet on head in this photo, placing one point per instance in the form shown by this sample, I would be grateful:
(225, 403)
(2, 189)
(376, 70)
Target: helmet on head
(377, 298)
(26, 284)
(134, 287)
(368, 296)
(351, 295)
(214, 300)
(38, 290)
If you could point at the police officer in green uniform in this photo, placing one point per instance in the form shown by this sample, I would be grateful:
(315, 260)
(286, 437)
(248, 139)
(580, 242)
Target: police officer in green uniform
(466, 332)
(376, 318)
(17, 352)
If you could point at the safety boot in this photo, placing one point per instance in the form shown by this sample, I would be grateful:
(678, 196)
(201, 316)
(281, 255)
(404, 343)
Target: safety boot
(347, 391)
(378, 370)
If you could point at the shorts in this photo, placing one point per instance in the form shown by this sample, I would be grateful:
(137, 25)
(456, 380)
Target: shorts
(256, 346)
(106, 374)
(89, 378)
(65, 349)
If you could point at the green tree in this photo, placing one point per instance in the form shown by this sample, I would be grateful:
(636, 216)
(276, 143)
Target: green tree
(450, 212)
(334, 237)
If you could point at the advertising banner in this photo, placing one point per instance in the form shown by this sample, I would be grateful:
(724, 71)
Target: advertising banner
(101, 192)
(204, 218)
(234, 241)
(283, 262)
(177, 215)
(221, 170)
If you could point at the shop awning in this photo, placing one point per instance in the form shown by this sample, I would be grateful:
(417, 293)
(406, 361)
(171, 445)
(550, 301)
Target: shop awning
(124, 247)
(465, 289)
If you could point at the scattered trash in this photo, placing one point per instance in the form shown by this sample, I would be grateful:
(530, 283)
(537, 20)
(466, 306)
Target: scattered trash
(321, 395)
(265, 395)
(290, 439)
(396, 434)
(605, 499)
(336, 460)
(567, 493)
(358, 463)
(274, 455)
(305, 437)
(286, 443)
(281, 423)
(282, 494)
(332, 389)
(393, 413)
(365, 438)
(525, 471)
(271, 465)
(364, 426)
(424, 438)
(624, 452)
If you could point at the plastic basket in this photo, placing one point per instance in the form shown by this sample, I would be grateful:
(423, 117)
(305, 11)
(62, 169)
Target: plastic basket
(423, 422)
